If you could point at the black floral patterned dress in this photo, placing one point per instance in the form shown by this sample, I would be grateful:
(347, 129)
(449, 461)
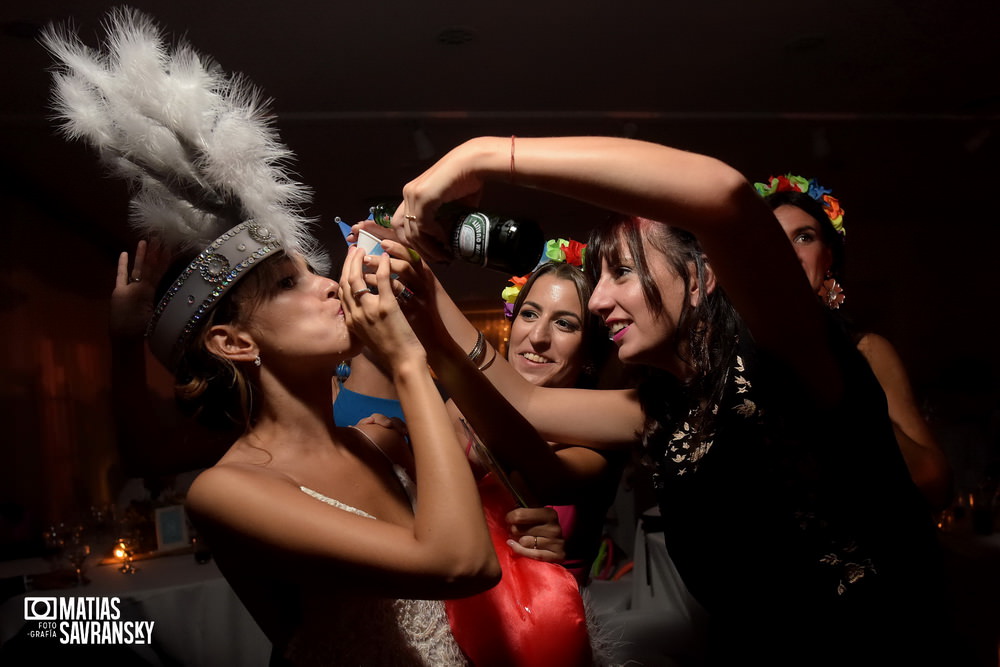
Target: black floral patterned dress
(797, 526)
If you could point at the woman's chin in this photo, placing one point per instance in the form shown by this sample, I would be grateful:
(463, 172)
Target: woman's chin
(536, 374)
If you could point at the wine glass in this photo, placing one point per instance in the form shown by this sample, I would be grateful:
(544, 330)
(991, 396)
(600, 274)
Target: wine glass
(77, 549)
(104, 526)
(55, 544)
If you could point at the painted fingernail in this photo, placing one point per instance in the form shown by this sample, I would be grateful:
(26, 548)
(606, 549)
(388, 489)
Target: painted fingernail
(414, 255)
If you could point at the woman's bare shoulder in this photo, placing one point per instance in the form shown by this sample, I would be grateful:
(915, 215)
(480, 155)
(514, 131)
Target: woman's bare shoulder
(233, 478)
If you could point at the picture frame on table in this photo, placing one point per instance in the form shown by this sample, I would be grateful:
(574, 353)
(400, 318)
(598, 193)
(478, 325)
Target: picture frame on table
(171, 528)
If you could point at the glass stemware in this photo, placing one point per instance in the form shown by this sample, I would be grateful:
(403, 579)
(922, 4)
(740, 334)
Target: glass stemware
(104, 529)
(55, 545)
(77, 549)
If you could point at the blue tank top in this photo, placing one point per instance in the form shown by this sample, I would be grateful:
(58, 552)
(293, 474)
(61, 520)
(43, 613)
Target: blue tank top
(351, 407)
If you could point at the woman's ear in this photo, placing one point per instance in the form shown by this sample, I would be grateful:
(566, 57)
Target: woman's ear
(827, 260)
(230, 342)
(700, 288)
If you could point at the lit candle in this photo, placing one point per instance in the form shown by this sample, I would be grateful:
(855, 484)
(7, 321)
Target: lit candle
(123, 553)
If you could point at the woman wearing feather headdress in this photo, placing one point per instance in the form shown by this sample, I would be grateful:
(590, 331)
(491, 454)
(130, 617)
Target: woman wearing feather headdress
(314, 526)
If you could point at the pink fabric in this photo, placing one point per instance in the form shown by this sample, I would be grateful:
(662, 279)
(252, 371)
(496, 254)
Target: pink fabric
(567, 519)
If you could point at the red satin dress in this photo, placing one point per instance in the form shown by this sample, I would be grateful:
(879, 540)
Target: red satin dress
(533, 618)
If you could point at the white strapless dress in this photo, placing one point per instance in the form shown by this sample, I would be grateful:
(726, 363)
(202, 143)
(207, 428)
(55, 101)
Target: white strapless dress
(374, 632)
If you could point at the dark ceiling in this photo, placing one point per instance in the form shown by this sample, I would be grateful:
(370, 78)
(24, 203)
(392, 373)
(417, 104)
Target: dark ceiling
(893, 103)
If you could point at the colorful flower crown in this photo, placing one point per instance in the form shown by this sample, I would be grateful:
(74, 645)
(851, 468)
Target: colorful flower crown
(793, 183)
(556, 250)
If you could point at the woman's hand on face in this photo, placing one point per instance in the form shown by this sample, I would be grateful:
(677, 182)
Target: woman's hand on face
(133, 294)
(536, 533)
(372, 304)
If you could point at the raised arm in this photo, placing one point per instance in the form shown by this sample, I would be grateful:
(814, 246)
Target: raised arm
(149, 447)
(746, 247)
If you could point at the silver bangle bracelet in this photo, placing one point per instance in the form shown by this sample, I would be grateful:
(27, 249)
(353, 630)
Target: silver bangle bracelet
(477, 349)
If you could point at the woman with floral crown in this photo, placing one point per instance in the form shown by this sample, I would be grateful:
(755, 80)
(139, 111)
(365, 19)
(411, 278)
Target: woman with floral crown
(554, 342)
(813, 221)
(788, 507)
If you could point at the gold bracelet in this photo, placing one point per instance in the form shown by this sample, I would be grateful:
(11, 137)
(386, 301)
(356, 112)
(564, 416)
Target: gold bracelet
(490, 362)
(477, 349)
(512, 137)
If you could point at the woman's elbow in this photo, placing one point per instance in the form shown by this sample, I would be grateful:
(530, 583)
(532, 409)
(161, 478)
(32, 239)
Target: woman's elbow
(474, 576)
(734, 190)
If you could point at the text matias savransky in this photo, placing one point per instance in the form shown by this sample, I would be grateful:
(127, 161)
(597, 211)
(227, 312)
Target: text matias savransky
(85, 620)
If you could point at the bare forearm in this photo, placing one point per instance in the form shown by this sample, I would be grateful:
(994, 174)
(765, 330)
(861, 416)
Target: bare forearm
(929, 469)
(448, 509)
(629, 176)
(497, 423)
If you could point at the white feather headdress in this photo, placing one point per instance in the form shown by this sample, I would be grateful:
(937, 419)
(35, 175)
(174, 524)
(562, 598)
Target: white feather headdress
(206, 167)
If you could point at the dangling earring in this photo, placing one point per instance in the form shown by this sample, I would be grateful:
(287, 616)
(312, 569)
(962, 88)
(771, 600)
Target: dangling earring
(831, 292)
(256, 361)
(343, 371)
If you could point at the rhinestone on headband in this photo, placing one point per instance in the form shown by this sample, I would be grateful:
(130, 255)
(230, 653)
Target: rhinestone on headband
(200, 285)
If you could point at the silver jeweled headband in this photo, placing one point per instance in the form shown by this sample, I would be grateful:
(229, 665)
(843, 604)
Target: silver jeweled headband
(198, 288)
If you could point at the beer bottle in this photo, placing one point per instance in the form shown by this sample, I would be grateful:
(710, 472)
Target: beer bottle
(511, 246)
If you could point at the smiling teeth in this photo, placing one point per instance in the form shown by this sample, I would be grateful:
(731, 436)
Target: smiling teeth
(531, 356)
(615, 328)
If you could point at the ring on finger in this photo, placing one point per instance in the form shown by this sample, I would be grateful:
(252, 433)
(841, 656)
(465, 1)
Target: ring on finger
(135, 278)
(405, 295)
(409, 217)
(358, 292)
(536, 542)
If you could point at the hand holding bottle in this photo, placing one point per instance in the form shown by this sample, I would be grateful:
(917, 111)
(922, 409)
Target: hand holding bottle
(457, 177)
(506, 244)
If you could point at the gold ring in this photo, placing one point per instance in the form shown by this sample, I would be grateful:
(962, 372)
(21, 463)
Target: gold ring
(358, 292)
(136, 279)
(536, 541)
(411, 218)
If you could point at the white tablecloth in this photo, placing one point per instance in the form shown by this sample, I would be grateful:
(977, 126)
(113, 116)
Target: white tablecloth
(198, 618)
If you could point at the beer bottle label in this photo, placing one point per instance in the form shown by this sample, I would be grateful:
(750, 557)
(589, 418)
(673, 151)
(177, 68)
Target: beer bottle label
(471, 238)
(382, 214)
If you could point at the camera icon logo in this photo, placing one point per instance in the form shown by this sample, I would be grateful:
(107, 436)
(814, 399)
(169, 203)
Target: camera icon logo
(40, 609)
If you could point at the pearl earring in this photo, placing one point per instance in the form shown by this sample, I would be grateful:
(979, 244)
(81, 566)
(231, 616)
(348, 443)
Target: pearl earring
(256, 361)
